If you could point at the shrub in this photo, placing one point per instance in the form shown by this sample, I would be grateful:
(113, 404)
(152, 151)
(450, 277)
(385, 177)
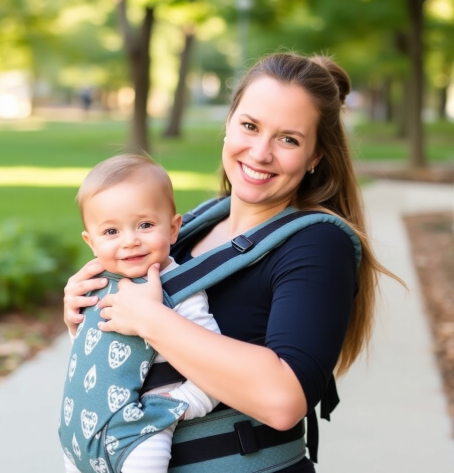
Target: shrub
(33, 265)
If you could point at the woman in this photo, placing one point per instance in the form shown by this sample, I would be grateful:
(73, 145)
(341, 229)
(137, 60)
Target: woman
(284, 145)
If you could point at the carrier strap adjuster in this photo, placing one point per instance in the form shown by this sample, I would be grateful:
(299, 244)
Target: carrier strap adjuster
(188, 217)
(245, 435)
(242, 244)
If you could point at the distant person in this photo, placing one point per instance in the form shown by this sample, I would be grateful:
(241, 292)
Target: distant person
(307, 306)
(86, 98)
(130, 221)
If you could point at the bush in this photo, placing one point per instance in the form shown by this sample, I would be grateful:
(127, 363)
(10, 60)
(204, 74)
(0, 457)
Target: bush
(33, 265)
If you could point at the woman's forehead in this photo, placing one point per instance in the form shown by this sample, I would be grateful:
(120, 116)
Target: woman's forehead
(268, 99)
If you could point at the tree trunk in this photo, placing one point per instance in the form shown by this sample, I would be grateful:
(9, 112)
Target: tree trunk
(442, 102)
(137, 45)
(387, 100)
(401, 40)
(176, 113)
(415, 125)
(405, 109)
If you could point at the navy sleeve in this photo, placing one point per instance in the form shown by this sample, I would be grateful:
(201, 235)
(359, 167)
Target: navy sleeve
(313, 284)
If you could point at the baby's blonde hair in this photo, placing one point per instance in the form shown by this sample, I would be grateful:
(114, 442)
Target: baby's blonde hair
(122, 168)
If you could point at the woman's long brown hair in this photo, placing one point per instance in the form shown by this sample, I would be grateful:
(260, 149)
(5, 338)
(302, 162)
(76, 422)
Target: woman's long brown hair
(333, 188)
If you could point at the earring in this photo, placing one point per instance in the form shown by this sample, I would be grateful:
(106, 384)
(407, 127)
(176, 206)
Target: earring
(225, 139)
(312, 170)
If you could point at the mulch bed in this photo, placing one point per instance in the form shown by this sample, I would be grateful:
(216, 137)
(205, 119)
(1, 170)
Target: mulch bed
(432, 243)
(23, 335)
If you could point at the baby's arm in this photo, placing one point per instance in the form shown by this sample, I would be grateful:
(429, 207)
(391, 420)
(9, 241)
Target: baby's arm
(199, 402)
(195, 308)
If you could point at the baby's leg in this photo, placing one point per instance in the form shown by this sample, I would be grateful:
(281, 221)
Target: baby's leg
(152, 455)
(69, 465)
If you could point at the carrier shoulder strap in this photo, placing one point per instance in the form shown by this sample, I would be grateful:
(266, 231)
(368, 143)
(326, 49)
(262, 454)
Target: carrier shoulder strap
(212, 267)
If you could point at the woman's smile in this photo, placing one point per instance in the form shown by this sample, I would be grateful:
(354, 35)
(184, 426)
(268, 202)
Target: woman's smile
(255, 176)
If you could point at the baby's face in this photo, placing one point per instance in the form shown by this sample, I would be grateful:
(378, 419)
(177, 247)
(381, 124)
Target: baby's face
(129, 227)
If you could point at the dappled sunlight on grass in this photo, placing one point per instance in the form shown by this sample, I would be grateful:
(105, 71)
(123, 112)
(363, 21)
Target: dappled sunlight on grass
(13, 176)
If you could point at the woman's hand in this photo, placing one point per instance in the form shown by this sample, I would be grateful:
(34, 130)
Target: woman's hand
(129, 310)
(75, 290)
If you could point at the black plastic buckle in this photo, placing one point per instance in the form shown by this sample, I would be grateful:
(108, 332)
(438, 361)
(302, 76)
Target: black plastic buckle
(247, 440)
(242, 244)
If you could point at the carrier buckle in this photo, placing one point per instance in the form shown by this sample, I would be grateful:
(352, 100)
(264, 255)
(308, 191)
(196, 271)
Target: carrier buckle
(242, 244)
(247, 440)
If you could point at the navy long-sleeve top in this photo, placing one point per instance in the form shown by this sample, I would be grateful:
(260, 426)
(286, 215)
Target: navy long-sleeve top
(299, 296)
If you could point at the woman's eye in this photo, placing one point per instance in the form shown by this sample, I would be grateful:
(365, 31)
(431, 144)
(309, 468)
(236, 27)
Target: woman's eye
(249, 126)
(111, 231)
(290, 141)
(145, 225)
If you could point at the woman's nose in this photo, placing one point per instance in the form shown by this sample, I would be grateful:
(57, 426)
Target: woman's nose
(261, 151)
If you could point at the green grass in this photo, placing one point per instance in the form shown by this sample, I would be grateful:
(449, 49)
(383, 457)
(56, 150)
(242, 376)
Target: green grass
(74, 145)
(380, 141)
(40, 144)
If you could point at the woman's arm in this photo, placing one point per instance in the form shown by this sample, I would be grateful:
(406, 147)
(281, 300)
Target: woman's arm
(75, 290)
(303, 292)
(249, 378)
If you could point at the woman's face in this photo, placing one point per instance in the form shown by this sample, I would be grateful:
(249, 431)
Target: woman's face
(270, 142)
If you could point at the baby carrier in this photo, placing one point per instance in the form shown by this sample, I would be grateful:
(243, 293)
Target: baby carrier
(224, 440)
(103, 418)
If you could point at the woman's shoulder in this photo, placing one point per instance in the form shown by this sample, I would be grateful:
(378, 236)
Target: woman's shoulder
(320, 234)
(321, 244)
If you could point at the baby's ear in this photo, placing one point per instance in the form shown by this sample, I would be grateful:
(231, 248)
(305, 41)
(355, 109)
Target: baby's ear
(86, 238)
(175, 226)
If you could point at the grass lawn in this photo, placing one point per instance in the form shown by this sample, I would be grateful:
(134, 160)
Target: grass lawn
(30, 191)
(379, 141)
(42, 164)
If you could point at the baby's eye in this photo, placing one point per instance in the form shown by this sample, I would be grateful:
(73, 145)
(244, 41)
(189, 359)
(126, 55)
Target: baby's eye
(145, 225)
(111, 231)
(249, 126)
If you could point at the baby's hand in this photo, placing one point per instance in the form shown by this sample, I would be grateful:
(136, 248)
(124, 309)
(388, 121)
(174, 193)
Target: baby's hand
(170, 397)
(154, 283)
(128, 311)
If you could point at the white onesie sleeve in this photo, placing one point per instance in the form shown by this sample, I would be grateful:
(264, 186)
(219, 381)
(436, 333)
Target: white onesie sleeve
(195, 308)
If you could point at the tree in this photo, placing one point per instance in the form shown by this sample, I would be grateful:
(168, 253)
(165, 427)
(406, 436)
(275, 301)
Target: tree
(176, 113)
(415, 125)
(187, 16)
(137, 46)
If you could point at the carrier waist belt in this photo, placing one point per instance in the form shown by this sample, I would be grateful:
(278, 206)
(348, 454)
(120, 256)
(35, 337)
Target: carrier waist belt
(243, 440)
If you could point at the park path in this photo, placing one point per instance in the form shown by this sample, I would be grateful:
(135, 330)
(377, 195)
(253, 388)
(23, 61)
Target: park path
(393, 416)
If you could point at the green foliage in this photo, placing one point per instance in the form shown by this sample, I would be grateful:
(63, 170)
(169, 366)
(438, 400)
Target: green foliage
(32, 266)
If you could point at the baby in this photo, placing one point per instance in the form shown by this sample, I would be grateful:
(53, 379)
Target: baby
(130, 221)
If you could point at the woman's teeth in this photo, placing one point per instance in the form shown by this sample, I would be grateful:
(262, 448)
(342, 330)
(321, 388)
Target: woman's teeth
(255, 175)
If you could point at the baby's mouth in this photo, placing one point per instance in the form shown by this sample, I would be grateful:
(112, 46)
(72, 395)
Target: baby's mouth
(133, 258)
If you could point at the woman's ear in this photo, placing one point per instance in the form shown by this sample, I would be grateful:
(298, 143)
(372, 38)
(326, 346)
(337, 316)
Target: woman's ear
(87, 240)
(316, 159)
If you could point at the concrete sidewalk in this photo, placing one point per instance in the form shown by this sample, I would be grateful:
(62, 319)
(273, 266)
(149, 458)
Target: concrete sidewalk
(393, 416)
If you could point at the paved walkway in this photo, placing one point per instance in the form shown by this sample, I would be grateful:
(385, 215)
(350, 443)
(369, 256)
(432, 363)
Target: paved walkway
(393, 416)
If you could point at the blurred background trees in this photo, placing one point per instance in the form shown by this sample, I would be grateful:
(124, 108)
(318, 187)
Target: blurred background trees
(155, 58)
(82, 80)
